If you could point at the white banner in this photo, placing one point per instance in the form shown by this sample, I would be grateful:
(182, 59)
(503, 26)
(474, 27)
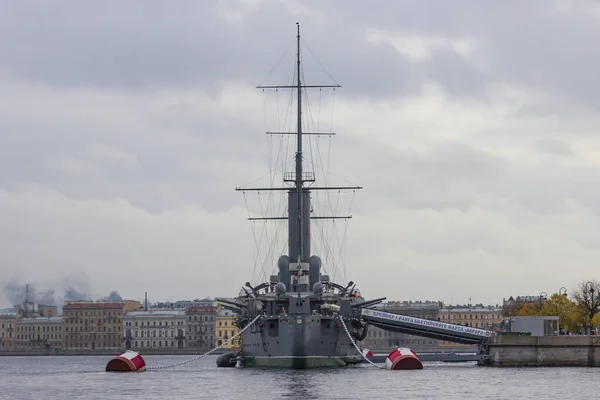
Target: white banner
(426, 322)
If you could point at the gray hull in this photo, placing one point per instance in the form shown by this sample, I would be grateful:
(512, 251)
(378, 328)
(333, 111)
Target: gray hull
(298, 341)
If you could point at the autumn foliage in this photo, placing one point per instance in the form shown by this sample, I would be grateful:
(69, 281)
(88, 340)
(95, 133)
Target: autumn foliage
(576, 314)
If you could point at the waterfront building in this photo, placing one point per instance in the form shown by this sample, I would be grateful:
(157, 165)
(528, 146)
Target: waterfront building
(511, 305)
(47, 311)
(8, 319)
(95, 325)
(185, 304)
(154, 329)
(39, 333)
(379, 339)
(201, 327)
(225, 328)
(476, 316)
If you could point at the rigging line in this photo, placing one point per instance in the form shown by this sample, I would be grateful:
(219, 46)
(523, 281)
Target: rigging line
(264, 233)
(334, 232)
(256, 256)
(319, 111)
(331, 127)
(278, 112)
(308, 118)
(346, 246)
(262, 211)
(280, 227)
(271, 246)
(270, 254)
(269, 140)
(343, 241)
(265, 110)
(291, 102)
(280, 59)
(324, 69)
(281, 128)
(327, 244)
(328, 251)
(342, 245)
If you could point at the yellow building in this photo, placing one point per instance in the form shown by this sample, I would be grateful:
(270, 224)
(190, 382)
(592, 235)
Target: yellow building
(8, 319)
(225, 328)
(478, 316)
(95, 325)
(39, 333)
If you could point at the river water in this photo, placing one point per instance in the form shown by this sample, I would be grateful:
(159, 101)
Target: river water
(49, 378)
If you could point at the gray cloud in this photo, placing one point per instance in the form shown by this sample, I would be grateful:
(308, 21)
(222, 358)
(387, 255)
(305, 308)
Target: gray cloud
(555, 147)
(124, 131)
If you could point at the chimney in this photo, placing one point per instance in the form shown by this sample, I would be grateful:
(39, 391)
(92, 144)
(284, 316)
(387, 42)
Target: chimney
(145, 301)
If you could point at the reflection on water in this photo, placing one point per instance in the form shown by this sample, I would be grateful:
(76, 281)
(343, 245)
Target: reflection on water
(29, 378)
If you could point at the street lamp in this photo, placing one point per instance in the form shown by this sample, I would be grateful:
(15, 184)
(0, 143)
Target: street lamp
(560, 291)
(589, 287)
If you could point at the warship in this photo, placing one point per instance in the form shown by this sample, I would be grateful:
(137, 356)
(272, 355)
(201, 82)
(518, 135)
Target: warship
(299, 318)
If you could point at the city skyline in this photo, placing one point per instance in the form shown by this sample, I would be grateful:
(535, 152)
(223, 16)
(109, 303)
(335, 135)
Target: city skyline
(49, 297)
(124, 133)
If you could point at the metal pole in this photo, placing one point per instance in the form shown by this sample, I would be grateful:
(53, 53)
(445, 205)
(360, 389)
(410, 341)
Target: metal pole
(589, 285)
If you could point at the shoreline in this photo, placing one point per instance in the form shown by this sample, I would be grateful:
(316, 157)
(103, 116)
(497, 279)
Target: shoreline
(106, 352)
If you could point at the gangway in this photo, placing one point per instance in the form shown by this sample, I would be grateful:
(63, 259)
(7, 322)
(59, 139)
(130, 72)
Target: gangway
(427, 328)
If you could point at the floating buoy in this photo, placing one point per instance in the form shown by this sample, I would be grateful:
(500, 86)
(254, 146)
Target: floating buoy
(129, 361)
(367, 353)
(226, 360)
(403, 358)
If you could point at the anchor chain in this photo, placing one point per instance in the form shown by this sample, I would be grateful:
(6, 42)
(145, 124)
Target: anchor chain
(355, 346)
(208, 352)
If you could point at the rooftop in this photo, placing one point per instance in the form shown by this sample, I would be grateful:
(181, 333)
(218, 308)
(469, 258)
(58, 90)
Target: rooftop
(202, 308)
(470, 309)
(8, 311)
(156, 313)
(93, 304)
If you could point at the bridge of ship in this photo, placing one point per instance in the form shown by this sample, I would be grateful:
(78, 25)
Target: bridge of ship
(427, 328)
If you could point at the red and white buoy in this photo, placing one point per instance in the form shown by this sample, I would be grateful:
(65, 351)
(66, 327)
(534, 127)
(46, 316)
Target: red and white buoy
(367, 353)
(129, 361)
(403, 358)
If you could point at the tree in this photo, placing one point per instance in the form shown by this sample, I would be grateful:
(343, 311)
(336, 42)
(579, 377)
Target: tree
(596, 320)
(587, 297)
(527, 309)
(560, 305)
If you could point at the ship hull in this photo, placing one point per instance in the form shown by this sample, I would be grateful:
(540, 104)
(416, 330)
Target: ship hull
(292, 362)
(299, 342)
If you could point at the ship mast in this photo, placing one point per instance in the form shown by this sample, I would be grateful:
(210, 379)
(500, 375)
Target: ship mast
(298, 196)
(299, 182)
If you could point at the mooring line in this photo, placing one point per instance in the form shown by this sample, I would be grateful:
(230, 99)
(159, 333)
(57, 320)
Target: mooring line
(208, 352)
(355, 346)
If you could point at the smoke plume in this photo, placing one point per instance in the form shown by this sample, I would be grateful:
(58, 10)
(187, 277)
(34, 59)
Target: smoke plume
(74, 294)
(113, 296)
(17, 292)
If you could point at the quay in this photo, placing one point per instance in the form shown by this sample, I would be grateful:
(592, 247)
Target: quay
(544, 351)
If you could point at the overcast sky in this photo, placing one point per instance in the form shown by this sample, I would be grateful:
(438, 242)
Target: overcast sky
(473, 127)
